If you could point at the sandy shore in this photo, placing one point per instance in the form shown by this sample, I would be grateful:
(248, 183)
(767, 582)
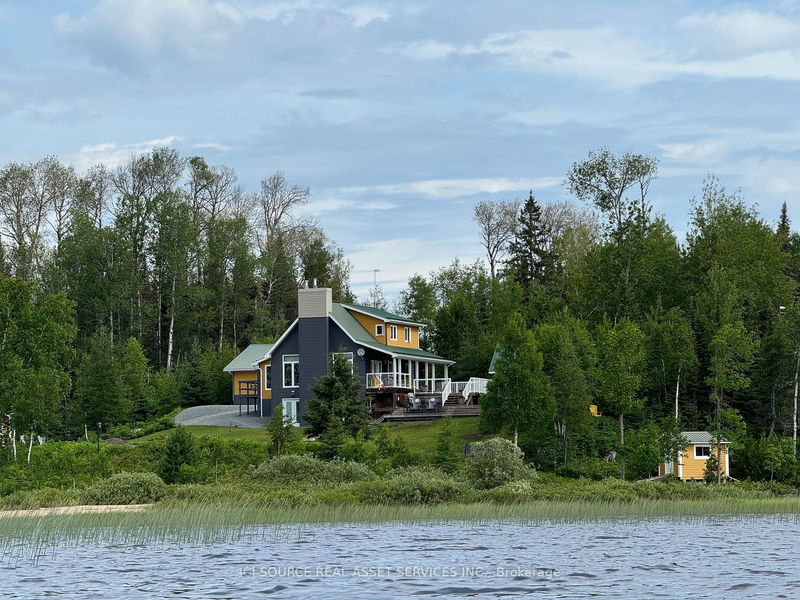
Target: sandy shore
(75, 510)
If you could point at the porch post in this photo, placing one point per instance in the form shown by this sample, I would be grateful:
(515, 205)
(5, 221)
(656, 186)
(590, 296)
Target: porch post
(446, 368)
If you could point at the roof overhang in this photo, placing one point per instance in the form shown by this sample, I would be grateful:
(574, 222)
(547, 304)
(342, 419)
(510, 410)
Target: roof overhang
(276, 344)
(227, 370)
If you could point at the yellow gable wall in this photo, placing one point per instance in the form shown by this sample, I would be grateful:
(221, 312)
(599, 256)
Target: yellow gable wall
(368, 323)
(266, 394)
(242, 376)
(401, 336)
(695, 468)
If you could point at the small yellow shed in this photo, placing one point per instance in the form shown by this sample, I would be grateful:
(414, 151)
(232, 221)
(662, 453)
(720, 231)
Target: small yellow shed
(691, 464)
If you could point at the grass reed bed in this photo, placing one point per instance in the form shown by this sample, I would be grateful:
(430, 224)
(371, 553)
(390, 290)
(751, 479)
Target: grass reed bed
(31, 537)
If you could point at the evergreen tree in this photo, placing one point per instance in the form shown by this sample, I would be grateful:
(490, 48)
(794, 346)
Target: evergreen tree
(98, 394)
(134, 378)
(333, 438)
(448, 455)
(179, 453)
(784, 228)
(195, 390)
(530, 260)
(337, 400)
(280, 430)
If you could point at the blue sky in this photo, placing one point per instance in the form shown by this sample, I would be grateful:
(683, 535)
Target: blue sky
(400, 116)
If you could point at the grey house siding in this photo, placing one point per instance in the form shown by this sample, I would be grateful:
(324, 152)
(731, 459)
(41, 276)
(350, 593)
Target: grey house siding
(289, 345)
(314, 338)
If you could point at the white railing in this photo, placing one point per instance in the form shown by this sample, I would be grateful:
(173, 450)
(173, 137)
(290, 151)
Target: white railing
(475, 385)
(388, 380)
(434, 385)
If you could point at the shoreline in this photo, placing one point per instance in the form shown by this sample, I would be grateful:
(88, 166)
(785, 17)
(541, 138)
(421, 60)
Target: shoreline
(81, 509)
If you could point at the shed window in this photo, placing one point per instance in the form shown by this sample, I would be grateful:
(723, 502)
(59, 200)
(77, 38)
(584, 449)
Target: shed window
(379, 329)
(702, 451)
(291, 370)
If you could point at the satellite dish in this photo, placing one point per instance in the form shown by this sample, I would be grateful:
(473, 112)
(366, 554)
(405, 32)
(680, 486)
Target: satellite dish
(360, 352)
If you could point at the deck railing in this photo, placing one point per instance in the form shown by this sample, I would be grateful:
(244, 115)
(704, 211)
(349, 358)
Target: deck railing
(388, 380)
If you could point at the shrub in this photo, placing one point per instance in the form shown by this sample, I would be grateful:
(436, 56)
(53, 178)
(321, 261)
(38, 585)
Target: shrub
(302, 468)
(414, 486)
(497, 461)
(512, 492)
(126, 488)
(588, 468)
(449, 454)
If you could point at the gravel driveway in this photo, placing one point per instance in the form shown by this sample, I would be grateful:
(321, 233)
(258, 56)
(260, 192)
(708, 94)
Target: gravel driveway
(222, 415)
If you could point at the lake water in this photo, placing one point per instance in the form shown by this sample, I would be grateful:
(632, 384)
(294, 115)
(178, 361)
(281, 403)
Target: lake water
(716, 557)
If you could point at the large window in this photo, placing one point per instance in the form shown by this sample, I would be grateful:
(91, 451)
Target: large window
(702, 451)
(408, 334)
(348, 356)
(291, 370)
(268, 377)
(393, 332)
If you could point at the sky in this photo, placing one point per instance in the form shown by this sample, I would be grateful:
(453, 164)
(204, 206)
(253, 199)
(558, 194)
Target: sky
(400, 116)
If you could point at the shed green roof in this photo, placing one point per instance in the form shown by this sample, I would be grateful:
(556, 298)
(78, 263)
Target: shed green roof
(356, 331)
(245, 360)
(380, 313)
(701, 437)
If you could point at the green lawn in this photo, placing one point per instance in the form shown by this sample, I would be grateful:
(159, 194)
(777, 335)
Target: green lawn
(420, 436)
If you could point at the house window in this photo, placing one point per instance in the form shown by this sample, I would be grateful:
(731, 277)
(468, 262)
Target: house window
(348, 356)
(291, 370)
(393, 332)
(268, 377)
(379, 329)
(408, 334)
(702, 451)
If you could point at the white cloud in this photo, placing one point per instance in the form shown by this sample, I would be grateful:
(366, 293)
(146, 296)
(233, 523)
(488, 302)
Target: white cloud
(213, 146)
(768, 49)
(779, 176)
(113, 155)
(141, 31)
(703, 151)
(741, 32)
(454, 188)
(329, 205)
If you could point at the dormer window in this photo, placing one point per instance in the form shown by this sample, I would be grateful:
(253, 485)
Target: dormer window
(408, 334)
(393, 332)
(379, 329)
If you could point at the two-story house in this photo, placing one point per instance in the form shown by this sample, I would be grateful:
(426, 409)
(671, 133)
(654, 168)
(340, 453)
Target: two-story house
(384, 349)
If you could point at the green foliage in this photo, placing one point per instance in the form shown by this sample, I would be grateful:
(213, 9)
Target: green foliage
(337, 402)
(595, 469)
(302, 468)
(449, 454)
(496, 461)
(519, 396)
(711, 468)
(395, 448)
(179, 457)
(280, 430)
(643, 452)
(413, 486)
(126, 488)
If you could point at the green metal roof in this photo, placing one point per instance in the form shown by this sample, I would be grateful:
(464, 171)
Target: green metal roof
(361, 336)
(380, 313)
(701, 437)
(245, 360)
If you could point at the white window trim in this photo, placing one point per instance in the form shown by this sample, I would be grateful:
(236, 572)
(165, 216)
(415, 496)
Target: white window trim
(348, 355)
(283, 371)
(393, 332)
(264, 374)
(379, 328)
(407, 335)
(296, 402)
(696, 446)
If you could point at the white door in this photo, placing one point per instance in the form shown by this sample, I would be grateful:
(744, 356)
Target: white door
(290, 410)
(375, 366)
